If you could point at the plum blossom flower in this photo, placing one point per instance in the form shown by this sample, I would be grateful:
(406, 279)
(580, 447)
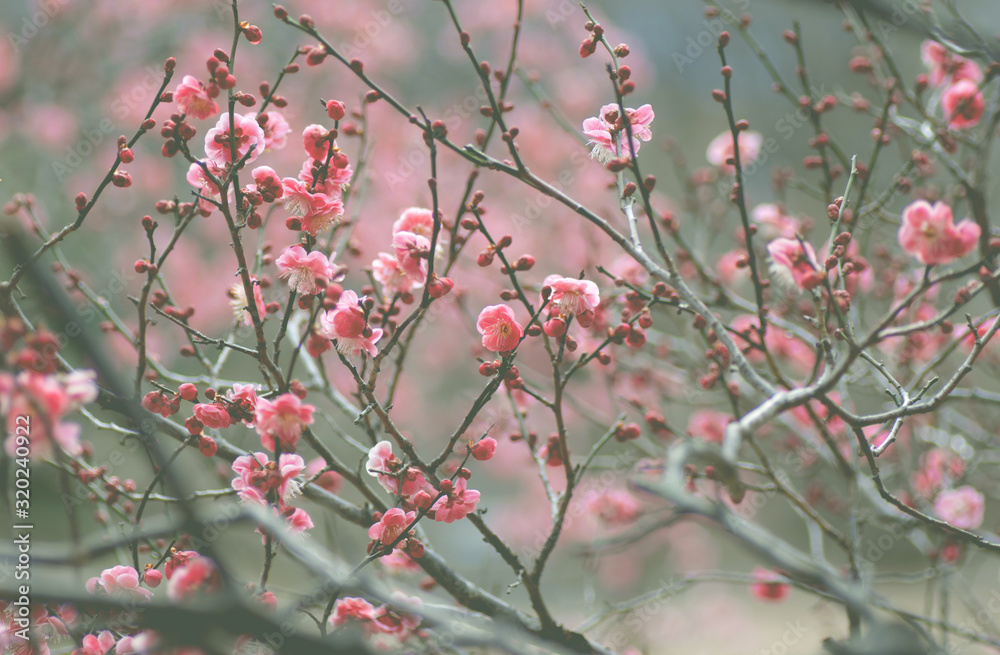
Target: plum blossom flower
(198, 577)
(768, 585)
(298, 521)
(418, 220)
(391, 525)
(388, 272)
(708, 424)
(335, 181)
(412, 251)
(457, 504)
(142, 643)
(604, 129)
(121, 583)
(98, 644)
(177, 559)
(963, 104)
(612, 506)
(774, 222)
(501, 333)
(720, 150)
(257, 476)
(385, 467)
(572, 297)
(45, 399)
(394, 622)
(945, 65)
(316, 141)
(307, 273)
(275, 129)
(794, 266)
(928, 232)
(267, 183)
(347, 325)
(193, 100)
(283, 419)
(248, 134)
(197, 177)
(962, 507)
(245, 396)
(212, 415)
(351, 609)
(238, 301)
(317, 211)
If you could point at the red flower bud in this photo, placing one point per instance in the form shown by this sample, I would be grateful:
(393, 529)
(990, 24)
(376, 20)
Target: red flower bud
(207, 446)
(335, 109)
(188, 391)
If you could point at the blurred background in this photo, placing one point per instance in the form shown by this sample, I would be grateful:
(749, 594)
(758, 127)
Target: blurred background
(76, 74)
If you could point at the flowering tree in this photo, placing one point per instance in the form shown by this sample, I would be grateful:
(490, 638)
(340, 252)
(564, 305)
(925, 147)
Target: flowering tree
(668, 372)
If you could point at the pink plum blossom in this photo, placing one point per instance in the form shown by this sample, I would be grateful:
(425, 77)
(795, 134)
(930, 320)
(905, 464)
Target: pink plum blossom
(612, 506)
(193, 100)
(774, 223)
(928, 232)
(571, 297)
(501, 333)
(391, 525)
(257, 476)
(963, 104)
(275, 129)
(385, 467)
(283, 419)
(198, 577)
(248, 133)
(945, 65)
(720, 150)
(177, 559)
(98, 644)
(316, 211)
(417, 220)
(307, 273)
(412, 251)
(351, 609)
(244, 395)
(45, 399)
(121, 583)
(238, 302)
(297, 520)
(267, 183)
(346, 325)
(604, 133)
(315, 140)
(962, 507)
(458, 503)
(709, 425)
(335, 181)
(388, 272)
(212, 415)
(793, 266)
